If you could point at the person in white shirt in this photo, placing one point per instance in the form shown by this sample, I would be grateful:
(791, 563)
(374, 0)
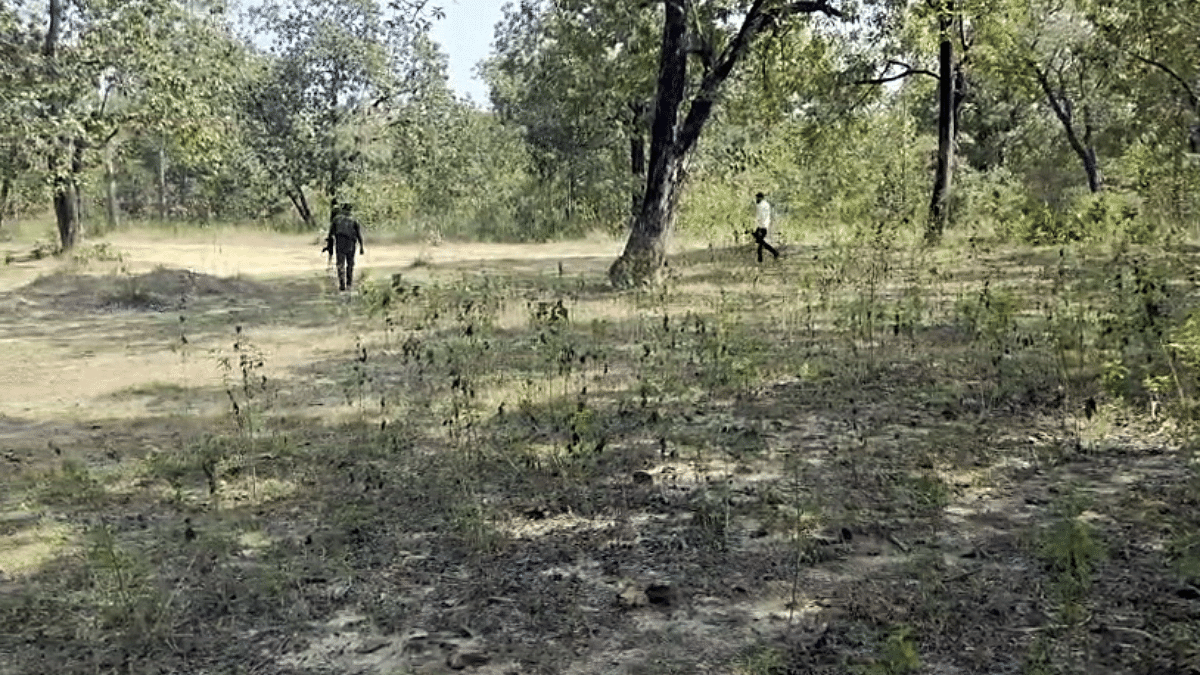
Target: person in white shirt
(762, 225)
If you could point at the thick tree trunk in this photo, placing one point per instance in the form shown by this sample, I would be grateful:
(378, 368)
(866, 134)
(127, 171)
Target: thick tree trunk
(637, 154)
(637, 163)
(66, 209)
(64, 192)
(672, 142)
(939, 206)
(645, 251)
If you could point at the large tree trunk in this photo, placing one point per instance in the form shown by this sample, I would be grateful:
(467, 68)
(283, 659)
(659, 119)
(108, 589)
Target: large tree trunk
(939, 206)
(66, 204)
(637, 154)
(645, 251)
(672, 142)
(65, 198)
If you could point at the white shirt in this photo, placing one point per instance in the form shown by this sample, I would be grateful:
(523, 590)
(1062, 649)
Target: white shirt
(764, 215)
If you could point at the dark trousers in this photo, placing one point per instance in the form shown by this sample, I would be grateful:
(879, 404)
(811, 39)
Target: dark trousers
(760, 236)
(345, 262)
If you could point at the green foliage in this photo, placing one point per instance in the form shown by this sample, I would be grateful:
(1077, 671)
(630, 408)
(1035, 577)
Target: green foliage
(126, 600)
(71, 483)
(1071, 549)
(899, 655)
(760, 660)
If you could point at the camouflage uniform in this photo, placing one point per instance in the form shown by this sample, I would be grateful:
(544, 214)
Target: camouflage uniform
(344, 233)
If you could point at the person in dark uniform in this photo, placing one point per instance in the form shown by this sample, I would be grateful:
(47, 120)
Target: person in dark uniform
(344, 233)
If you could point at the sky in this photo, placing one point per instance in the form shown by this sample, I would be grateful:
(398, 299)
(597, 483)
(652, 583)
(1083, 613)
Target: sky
(466, 36)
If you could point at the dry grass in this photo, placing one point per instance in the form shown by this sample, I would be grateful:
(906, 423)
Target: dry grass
(865, 458)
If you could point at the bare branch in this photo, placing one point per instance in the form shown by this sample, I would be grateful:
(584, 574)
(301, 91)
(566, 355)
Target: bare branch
(1192, 97)
(756, 20)
(812, 8)
(908, 70)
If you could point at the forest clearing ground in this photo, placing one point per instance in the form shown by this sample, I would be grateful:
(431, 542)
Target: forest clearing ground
(856, 460)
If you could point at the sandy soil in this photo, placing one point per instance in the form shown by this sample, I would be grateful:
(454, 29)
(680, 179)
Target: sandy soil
(78, 364)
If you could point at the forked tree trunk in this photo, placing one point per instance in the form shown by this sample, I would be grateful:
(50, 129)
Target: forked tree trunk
(645, 251)
(672, 142)
(939, 207)
(301, 204)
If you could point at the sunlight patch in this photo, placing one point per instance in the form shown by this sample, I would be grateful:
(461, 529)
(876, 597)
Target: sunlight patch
(25, 551)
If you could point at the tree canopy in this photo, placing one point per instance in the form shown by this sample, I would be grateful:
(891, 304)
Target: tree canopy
(625, 117)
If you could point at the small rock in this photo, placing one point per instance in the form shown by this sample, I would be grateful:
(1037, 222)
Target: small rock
(642, 478)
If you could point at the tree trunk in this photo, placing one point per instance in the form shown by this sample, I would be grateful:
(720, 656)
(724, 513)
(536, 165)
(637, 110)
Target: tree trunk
(939, 206)
(5, 188)
(637, 164)
(112, 214)
(301, 204)
(64, 192)
(65, 206)
(637, 154)
(162, 181)
(672, 142)
(645, 251)
(1084, 148)
(1091, 166)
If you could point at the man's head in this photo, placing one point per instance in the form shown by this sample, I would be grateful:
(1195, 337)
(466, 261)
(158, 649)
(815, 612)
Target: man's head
(759, 197)
(345, 209)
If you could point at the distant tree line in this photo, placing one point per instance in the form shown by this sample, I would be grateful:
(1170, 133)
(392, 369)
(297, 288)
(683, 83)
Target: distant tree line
(1043, 120)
